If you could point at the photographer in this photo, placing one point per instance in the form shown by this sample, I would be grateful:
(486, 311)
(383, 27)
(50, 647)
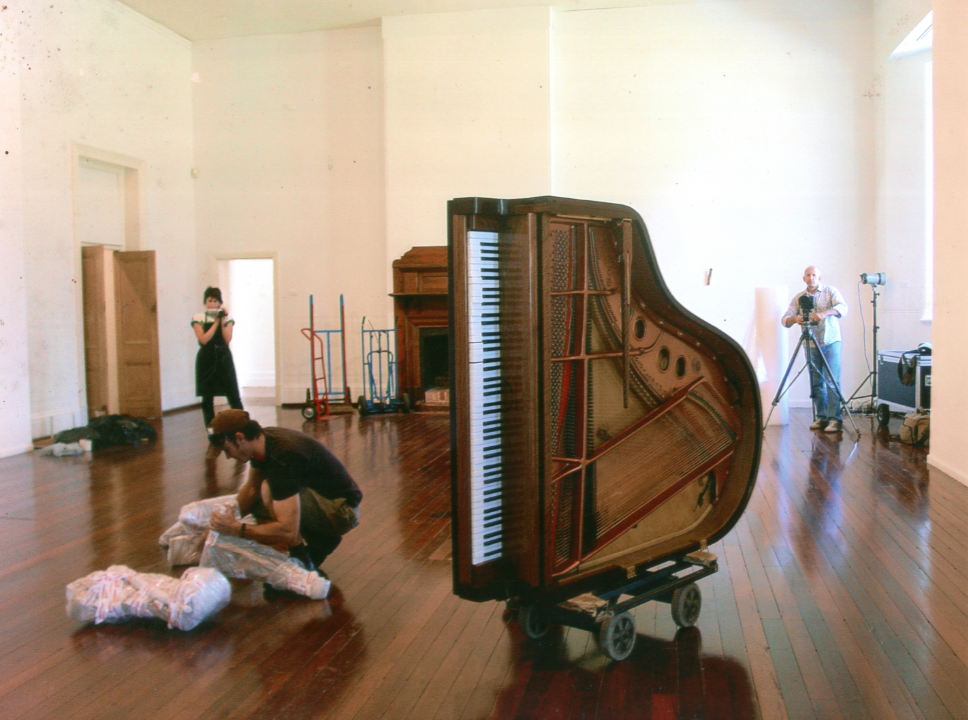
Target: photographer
(214, 367)
(821, 306)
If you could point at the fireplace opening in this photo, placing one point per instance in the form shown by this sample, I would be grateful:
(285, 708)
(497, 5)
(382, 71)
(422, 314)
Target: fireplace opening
(434, 358)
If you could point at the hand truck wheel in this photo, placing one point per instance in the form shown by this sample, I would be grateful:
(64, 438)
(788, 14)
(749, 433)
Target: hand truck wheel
(686, 605)
(617, 636)
(533, 620)
(309, 412)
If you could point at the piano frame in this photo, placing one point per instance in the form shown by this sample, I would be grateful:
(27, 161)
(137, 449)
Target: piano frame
(529, 571)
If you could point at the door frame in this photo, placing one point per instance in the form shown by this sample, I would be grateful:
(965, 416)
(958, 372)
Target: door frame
(259, 255)
(132, 171)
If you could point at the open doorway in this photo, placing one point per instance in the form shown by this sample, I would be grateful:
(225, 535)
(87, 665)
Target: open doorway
(248, 289)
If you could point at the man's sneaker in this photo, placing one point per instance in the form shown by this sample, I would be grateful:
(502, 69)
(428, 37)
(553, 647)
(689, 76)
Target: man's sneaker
(318, 590)
(834, 427)
(819, 424)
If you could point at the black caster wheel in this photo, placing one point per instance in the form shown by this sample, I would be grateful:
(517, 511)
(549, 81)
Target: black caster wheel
(883, 414)
(361, 405)
(405, 403)
(617, 636)
(533, 621)
(686, 604)
(309, 412)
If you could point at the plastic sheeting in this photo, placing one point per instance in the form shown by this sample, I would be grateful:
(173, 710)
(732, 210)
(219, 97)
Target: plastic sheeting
(190, 541)
(242, 558)
(186, 537)
(119, 593)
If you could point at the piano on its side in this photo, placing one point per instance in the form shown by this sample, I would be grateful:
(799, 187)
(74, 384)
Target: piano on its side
(599, 430)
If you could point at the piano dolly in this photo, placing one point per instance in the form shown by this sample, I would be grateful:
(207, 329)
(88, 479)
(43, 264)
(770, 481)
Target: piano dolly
(607, 615)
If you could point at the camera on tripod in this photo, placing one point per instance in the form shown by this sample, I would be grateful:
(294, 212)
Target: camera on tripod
(806, 304)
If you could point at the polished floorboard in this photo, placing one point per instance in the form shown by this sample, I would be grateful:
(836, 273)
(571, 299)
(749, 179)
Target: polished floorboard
(842, 593)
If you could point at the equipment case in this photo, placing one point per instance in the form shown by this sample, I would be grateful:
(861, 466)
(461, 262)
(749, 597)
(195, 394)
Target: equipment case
(897, 396)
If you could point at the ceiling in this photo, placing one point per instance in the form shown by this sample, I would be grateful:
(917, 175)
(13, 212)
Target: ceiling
(212, 19)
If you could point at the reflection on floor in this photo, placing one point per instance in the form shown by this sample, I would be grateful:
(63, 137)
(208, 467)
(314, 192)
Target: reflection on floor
(842, 594)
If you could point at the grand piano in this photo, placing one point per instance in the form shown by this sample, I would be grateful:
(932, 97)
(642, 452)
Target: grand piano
(601, 434)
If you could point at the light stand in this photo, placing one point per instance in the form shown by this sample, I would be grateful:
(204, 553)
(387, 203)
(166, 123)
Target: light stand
(872, 279)
(807, 337)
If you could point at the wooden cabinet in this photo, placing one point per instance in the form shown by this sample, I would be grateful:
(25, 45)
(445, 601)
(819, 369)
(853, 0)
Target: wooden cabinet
(420, 307)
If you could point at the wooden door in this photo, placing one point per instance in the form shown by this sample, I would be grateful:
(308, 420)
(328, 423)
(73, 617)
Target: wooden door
(139, 372)
(94, 278)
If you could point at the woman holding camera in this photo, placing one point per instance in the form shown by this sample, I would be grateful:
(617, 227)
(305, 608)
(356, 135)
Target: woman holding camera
(214, 368)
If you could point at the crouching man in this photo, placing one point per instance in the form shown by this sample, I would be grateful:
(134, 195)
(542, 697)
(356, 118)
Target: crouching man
(300, 494)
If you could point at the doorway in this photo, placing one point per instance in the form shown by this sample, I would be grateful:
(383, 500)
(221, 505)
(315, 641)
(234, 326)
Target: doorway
(248, 291)
(118, 325)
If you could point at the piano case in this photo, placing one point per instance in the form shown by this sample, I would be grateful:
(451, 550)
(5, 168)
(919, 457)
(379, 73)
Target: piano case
(600, 432)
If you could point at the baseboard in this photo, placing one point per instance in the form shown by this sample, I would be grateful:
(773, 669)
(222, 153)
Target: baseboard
(15, 450)
(48, 424)
(947, 469)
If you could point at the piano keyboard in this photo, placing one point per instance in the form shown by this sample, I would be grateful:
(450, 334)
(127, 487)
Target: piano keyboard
(484, 352)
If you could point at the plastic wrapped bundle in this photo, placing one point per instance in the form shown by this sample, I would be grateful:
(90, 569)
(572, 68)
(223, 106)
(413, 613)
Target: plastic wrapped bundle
(119, 593)
(186, 537)
(241, 558)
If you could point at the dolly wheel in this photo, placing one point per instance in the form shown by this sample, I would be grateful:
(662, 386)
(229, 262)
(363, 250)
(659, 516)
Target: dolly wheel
(361, 405)
(309, 412)
(533, 620)
(405, 403)
(686, 604)
(617, 636)
(883, 414)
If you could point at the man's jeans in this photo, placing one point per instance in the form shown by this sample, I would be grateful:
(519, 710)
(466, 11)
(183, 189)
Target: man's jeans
(826, 404)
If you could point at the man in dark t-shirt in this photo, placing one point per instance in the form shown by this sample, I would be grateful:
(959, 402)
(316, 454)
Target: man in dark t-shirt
(300, 494)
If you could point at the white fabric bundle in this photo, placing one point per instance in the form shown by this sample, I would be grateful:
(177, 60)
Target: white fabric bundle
(186, 537)
(119, 593)
(242, 558)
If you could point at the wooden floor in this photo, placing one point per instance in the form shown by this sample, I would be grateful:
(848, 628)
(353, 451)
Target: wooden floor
(842, 593)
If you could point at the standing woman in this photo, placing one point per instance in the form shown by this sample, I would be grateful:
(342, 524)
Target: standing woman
(214, 368)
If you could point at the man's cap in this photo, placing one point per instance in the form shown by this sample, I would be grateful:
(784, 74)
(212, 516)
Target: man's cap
(227, 422)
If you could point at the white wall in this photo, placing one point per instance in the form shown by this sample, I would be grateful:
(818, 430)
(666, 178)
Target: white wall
(103, 76)
(468, 113)
(902, 227)
(14, 374)
(740, 131)
(949, 397)
(289, 151)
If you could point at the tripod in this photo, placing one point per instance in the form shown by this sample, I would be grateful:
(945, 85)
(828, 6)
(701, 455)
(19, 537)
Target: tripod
(872, 375)
(807, 337)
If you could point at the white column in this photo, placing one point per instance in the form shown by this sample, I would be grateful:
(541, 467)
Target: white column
(949, 391)
(14, 378)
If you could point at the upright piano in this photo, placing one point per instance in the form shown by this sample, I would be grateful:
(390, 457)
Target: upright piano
(598, 428)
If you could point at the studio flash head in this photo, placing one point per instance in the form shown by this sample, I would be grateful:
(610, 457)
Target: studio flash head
(873, 278)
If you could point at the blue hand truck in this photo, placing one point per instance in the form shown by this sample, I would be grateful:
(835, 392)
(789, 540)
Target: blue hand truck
(379, 373)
